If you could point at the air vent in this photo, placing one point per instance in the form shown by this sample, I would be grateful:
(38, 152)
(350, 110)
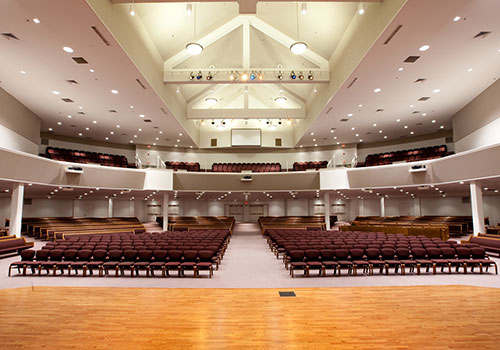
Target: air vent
(369, 133)
(352, 83)
(10, 36)
(81, 113)
(465, 200)
(74, 126)
(164, 111)
(213, 142)
(27, 201)
(424, 98)
(415, 112)
(419, 124)
(106, 42)
(80, 60)
(72, 82)
(481, 35)
(277, 142)
(140, 83)
(67, 100)
(155, 127)
(411, 59)
(123, 134)
(112, 111)
(147, 120)
(329, 110)
(420, 80)
(344, 120)
(379, 110)
(394, 32)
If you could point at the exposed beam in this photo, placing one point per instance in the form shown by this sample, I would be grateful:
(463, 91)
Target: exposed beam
(241, 2)
(246, 46)
(272, 113)
(223, 78)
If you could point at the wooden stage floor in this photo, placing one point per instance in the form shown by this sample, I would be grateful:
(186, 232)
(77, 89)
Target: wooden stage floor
(412, 317)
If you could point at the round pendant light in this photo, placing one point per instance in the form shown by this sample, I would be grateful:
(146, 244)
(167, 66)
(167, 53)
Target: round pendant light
(194, 48)
(298, 48)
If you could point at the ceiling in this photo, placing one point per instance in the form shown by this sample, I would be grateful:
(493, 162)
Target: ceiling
(456, 64)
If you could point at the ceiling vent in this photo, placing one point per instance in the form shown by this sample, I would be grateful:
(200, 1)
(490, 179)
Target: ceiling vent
(411, 59)
(99, 34)
(344, 120)
(67, 100)
(394, 32)
(481, 35)
(415, 112)
(123, 134)
(147, 120)
(424, 98)
(329, 110)
(420, 80)
(112, 111)
(10, 36)
(140, 83)
(80, 60)
(72, 82)
(74, 126)
(419, 124)
(164, 111)
(156, 127)
(81, 113)
(352, 83)
(369, 133)
(379, 110)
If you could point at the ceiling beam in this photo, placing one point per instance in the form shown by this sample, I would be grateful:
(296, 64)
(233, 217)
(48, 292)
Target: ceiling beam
(241, 2)
(272, 113)
(222, 77)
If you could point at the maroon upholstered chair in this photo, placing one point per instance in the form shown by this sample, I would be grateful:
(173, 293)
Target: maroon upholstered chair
(70, 256)
(83, 258)
(389, 255)
(342, 256)
(297, 261)
(26, 258)
(160, 259)
(312, 259)
(434, 255)
(403, 255)
(55, 256)
(128, 263)
(479, 258)
(97, 262)
(144, 260)
(189, 262)
(328, 260)
(358, 261)
(420, 257)
(174, 261)
(205, 262)
(373, 257)
(114, 258)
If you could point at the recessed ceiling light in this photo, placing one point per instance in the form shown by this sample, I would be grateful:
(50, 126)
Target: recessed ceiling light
(357, 135)
(298, 48)
(380, 131)
(411, 106)
(175, 145)
(312, 133)
(55, 92)
(406, 126)
(50, 129)
(375, 124)
(433, 121)
(107, 138)
(194, 48)
(161, 132)
(361, 140)
(315, 145)
(314, 140)
(456, 19)
(95, 122)
(377, 90)
(424, 48)
(400, 69)
(353, 128)
(178, 140)
(80, 134)
(91, 70)
(131, 141)
(69, 116)
(118, 126)
(424, 114)
(114, 91)
(411, 132)
(338, 143)
(154, 143)
(441, 127)
(398, 120)
(469, 70)
(280, 100)
(436, 91)
(141, 115)
(301, 146)
(59, 123)
(385, 137)
(180, 134)
(112, 132)
(23, 72)
(87, 129)
(139, 129)
(36, 20)
(157, 139)
(68, 49)
(350, 115)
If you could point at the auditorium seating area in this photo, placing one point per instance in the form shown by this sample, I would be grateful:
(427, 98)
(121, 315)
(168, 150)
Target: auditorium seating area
(351, 251)
(239, 167)
(491, 243)
(63, 228)
(165, 252)
(182, 166)
(85, 157)
(303, 166)
(13, 244)
(190, 223)
(412, 155)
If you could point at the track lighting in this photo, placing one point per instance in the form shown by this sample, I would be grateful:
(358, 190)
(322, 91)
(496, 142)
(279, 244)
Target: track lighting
(191, 76)
(232, 77)
(209, 76)
(189, 9)
(301, 76)
(244, 77)
(253, 76)
(261, 77)
(292, 75)
(199, 76)
(310, 76)
(280, 75)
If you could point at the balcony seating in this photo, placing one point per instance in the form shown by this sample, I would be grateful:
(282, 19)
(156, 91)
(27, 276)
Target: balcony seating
(303, 166)
(412, 155)
(182, 166)
(149, 252)
(85, 157)
(392, 253)
(239, 167)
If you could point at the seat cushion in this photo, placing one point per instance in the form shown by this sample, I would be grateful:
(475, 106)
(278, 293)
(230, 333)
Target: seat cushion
(314, 264)
(345, 262)
(172, 264)
(360, 262)
(157, 264)
(298, 264)
(408, 262)
(440, 261)
(188, 264)
(95, 263)
(141, 264)
(204, 264)
(327, 263)
(110, 264)
(376, 262)
(393, 262)
(424, 262)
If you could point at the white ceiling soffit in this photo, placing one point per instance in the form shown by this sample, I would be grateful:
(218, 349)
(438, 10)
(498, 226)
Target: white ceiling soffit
(175, 74)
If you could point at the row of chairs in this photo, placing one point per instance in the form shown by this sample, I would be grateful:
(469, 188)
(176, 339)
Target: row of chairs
(117, 260)
(238, 167)
(303, 166)
(188, 166)
(78, 156)
(411, 155)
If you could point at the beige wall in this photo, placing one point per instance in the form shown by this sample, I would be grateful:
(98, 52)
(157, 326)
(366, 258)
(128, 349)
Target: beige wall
(476, 124)
(21, 127)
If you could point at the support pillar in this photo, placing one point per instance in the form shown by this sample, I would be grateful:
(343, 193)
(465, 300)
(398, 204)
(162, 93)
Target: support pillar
(16, 210)
(110, 207)
(382, 206)
(476, 202)
(164, 207)
(417, 207)
(361, 210)
(328, 207)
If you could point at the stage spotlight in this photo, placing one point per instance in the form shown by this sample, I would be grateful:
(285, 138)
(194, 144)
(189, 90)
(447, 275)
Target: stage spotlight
(232, 77)
(213, 122)
(191, 76)
(253, 76)
(310, 76)
(209, 76)
(199, 76)
(292, 75)
(261, 77)
(280, 75)
(244, 77)
(301, 76)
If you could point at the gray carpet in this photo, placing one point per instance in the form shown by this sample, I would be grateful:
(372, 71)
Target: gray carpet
(248, 263)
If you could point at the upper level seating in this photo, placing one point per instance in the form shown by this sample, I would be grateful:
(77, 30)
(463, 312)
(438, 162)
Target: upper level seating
(183, 166)
(302, 166)
(69, 155)
(411, 155)
(238, 167)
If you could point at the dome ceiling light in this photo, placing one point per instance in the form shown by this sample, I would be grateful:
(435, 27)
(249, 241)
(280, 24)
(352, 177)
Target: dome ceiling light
(299, 47)
(280, 100)
(211, 101)
(193, 48)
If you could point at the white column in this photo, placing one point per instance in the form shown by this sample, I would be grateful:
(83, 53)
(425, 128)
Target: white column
(328, 207)
(164, 207)
(110, 207)
(417, 207)
(16, 210)
(132, 208)
(361, 211)
(382, 206)
(476, 201)
(285, 207)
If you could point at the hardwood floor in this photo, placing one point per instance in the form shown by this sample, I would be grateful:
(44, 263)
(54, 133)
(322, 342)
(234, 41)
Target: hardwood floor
(413, 317)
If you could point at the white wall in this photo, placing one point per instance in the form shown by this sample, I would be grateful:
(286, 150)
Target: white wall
(276, 207)
(12, 140)
(484, 136)
(298, 207)
(216, 208)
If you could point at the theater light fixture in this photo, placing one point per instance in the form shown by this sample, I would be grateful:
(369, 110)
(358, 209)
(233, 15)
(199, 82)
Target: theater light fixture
(310, 76)
(244, 77)
(199, 76)
(211, 101)
(303, 8)
(280, 100)
(232, 77)
(209, 76)
(191, 76)
(132, 10)
(260, 76)
(280, 75)
(301, 76)
(292, 75)
(253, 76)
